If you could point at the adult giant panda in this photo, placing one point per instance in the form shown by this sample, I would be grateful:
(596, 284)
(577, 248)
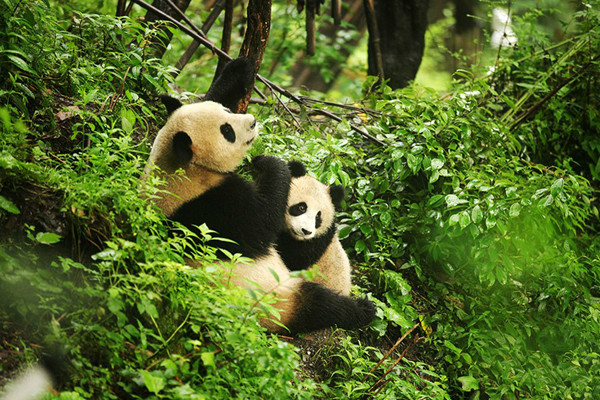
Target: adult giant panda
(310, 234)
(207, 142)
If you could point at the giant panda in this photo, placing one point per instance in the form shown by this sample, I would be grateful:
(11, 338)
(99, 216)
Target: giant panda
(310, 234)
(206, 142)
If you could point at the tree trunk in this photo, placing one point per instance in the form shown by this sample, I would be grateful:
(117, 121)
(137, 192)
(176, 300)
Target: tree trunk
(255, 40)
(402, 25)
(161, 42)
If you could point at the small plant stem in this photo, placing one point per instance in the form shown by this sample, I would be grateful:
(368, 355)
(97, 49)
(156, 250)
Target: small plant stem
(392, 349)
(159, 334)
(521, 102)
(179, 327)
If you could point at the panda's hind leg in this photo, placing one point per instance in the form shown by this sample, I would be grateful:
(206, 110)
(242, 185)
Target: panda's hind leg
(316, 307)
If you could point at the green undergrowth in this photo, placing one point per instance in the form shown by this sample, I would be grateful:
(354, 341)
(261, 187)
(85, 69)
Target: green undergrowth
(473, 228)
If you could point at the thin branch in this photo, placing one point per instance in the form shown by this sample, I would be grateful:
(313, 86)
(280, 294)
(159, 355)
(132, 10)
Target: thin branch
(354, 127)
(185, 18)
(288, 110)
(210, 45)
(380, 383)
(189, 52)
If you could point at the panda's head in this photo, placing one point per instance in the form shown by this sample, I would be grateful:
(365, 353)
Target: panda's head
(209, 134)
(311, 205)
(205, 134)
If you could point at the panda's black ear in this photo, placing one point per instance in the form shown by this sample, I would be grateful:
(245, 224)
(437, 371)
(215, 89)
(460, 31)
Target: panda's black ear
(170, 103)
(232, 84)
(337, 194)
(296, 169)
(182, 147)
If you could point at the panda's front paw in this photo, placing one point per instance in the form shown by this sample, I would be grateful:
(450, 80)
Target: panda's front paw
(366, 311)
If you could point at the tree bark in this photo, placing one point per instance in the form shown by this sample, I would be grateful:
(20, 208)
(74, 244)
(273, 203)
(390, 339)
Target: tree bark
(402, 25)
(255, 40)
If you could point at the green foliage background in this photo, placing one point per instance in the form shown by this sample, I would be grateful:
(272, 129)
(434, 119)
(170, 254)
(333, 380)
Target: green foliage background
(476, 221)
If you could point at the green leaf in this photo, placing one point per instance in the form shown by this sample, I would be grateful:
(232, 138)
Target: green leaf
(468, 383)
(20, 63)
(436, 164)
(360, 246)
(435, 200)
(452, 200)
(153, 383)
(47, 238)
(208, 358)
(515, 210)
(476, 214)
(8, 205)
(557, 187)
(344, 231)
(464, 220)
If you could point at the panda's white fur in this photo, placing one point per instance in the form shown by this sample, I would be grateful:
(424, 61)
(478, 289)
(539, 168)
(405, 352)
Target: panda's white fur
(207, 142)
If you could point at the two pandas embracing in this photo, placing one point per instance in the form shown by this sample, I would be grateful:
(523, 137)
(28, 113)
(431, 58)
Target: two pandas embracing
(284, 220)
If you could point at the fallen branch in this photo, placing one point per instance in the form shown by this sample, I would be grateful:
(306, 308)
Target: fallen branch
(392, 349)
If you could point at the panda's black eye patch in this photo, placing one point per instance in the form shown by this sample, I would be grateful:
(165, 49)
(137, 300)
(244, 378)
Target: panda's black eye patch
(297, 209)
(228, 132)
(318, 220)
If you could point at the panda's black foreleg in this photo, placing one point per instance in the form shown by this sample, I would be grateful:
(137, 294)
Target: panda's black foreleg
(319, 307)
(273, 184)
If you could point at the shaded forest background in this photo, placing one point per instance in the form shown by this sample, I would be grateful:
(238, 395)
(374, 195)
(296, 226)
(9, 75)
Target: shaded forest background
(471, 212)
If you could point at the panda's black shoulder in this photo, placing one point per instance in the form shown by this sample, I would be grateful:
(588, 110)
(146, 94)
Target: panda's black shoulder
(234, 192)
(233, 211)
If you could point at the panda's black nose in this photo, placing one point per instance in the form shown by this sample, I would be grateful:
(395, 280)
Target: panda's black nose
(306, 232)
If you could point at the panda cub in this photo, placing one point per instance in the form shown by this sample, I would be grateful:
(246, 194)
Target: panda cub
(310, 234)
(206, 142)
